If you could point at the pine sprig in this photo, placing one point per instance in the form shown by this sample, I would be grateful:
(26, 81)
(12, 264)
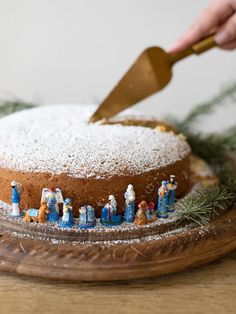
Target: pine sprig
(219, 150)
(10, 106)
(206, 204)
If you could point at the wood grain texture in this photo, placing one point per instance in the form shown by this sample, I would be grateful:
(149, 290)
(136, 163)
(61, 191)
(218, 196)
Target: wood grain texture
(120, 261)
(207, 289)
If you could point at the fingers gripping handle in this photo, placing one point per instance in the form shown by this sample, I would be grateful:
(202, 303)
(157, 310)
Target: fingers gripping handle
(204, 45)
(198, 48)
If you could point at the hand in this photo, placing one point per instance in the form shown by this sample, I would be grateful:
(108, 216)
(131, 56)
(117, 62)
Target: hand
(218, 18)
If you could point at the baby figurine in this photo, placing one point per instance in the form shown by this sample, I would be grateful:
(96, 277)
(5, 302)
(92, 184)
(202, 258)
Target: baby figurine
(67, 220)
(141, 217)
(129, 204)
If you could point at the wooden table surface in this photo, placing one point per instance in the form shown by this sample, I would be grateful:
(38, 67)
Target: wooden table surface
(208, 289)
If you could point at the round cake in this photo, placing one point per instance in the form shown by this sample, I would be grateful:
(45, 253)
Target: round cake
(55, 147)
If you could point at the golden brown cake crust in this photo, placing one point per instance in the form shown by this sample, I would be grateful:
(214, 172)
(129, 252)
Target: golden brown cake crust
(90, 190)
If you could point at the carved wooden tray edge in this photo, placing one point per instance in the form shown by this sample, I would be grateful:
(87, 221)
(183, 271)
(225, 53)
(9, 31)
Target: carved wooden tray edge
(119, 261)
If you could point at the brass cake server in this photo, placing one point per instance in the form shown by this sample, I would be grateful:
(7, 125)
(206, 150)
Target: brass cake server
(150, 73)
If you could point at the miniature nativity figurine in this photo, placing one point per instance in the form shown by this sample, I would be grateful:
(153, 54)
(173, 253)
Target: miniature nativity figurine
(171, 186)
(87, 217)
(163, 197)
(151, 212)
(67, 220)
(129, 204)
(141, 216)
(53, 197)
(109, 216)
(37, 215)
(16, 190)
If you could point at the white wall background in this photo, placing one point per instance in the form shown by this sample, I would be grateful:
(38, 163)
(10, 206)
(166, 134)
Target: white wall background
(74, 51)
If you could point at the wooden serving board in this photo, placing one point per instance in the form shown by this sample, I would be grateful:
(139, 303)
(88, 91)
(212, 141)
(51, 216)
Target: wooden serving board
(126, 252)
(175, 252)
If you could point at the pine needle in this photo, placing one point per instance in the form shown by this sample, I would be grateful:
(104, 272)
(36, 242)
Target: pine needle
(207, 203)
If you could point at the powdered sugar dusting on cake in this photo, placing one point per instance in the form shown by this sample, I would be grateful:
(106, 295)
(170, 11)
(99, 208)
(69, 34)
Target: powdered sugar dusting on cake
(58, 139)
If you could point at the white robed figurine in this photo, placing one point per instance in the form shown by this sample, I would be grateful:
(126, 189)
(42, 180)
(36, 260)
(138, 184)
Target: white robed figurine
(113, 204)
(129, 203)
(52, 197)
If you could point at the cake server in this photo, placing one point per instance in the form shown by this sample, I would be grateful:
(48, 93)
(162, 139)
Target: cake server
(150, 73)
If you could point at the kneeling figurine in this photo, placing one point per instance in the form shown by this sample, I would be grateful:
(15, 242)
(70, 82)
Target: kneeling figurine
(141, 217)
(109, 216)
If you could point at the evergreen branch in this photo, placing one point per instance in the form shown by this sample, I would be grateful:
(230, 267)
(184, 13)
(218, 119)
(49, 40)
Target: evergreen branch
(206, 204)
(8, 106)
(216, 149)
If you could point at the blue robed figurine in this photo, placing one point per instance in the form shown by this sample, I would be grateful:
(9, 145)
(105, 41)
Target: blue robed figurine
(163, 195)
(109, 216)
(87, 217)
(53, 197)
(16, 194)
(67, 220)
(171, 186)
(129, 204)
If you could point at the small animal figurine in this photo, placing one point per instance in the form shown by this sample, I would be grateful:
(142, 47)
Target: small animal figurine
(151, 212)
(171, 186)
(67, 220)
(87, 217)
(109, 216)
(141, 217)
(129, 204)
(163, 196)
(37, 215)
(52, 197)
(16, 189)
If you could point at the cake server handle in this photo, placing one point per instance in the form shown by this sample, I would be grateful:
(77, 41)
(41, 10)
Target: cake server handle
(198, 48)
